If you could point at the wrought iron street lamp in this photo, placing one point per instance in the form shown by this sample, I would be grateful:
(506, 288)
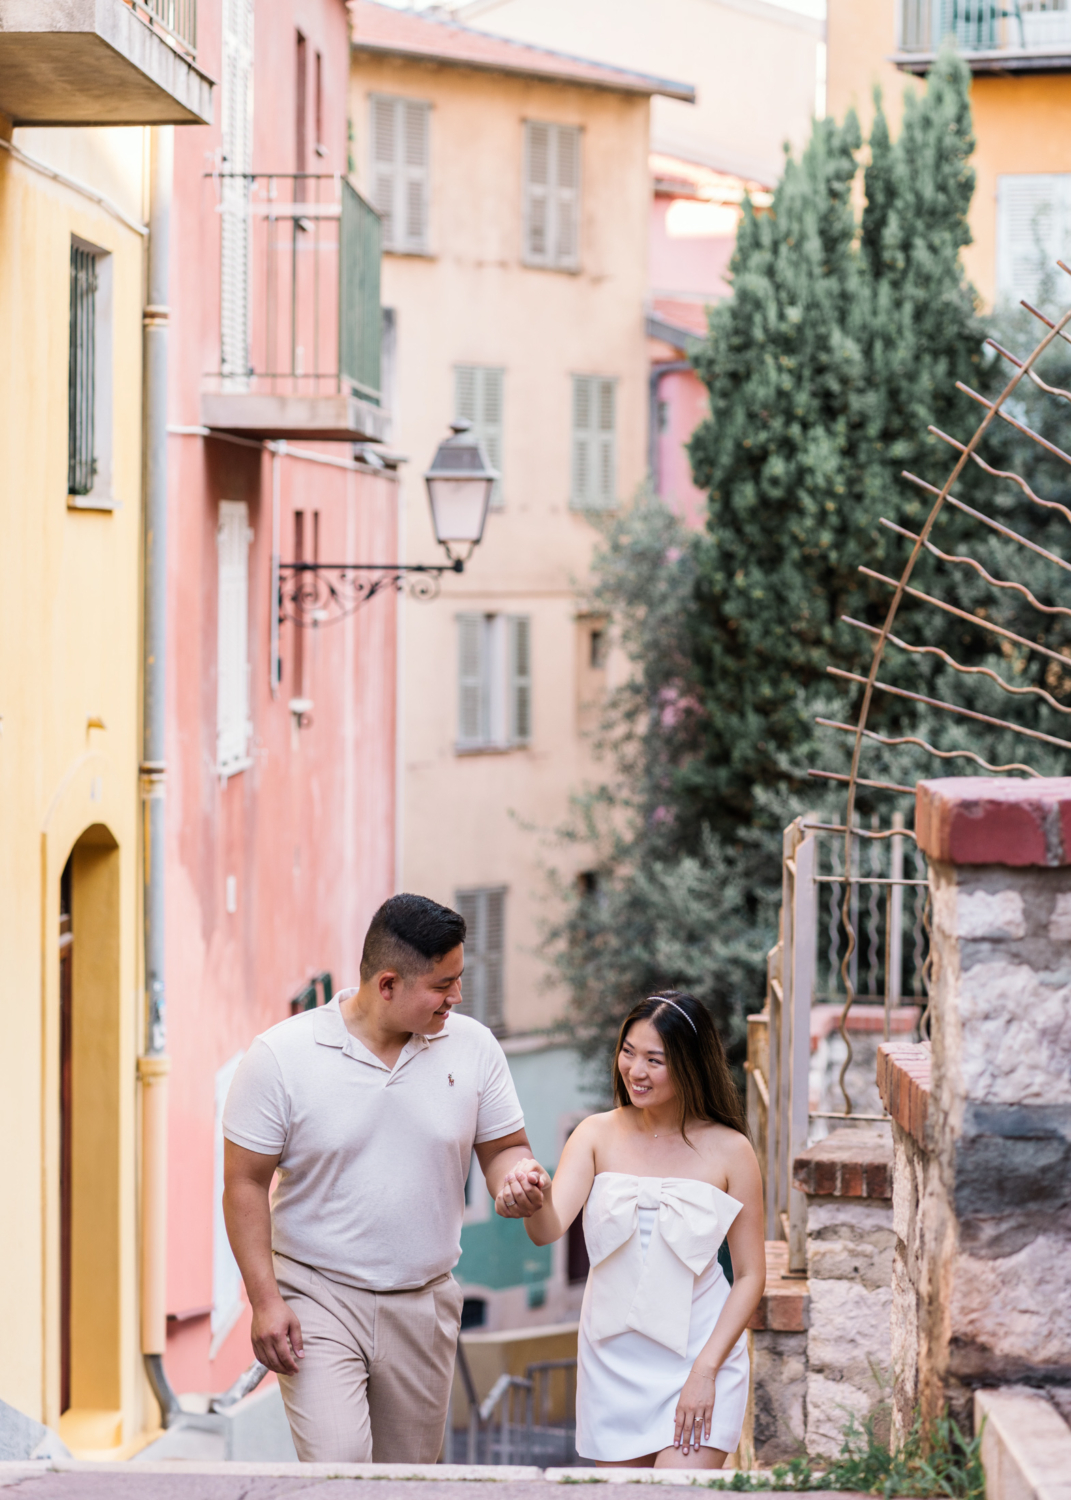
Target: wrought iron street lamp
(459, 483)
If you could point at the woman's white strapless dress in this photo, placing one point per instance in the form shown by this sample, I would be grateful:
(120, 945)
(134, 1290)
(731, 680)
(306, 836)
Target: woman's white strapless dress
(653, 1296)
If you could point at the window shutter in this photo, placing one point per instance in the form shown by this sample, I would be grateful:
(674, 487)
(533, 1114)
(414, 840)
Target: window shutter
(1033, 221)
(468, 906)
(414, 128)
(478, 393)
(384, 167)
(607, 455)
(552, 195)
(537, 196)
(494, 933)
(567, 198)
(232, 650)
(472, 695)
(520, 683)
(237, 129)
(583, 438)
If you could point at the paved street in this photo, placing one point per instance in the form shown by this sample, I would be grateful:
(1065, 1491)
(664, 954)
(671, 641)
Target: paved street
(112, 1486)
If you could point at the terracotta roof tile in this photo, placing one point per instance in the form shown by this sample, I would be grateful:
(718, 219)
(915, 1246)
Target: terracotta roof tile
(403, 33)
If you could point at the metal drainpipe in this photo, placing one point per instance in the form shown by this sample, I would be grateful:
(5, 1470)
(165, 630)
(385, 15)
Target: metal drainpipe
(154, 1065)
(658, 369)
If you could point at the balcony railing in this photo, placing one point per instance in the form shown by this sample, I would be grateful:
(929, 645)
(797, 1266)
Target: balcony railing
(299, 308)
(1018, 27)
(175, 20)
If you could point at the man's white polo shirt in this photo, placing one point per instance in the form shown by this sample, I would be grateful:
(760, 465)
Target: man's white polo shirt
(371, 1182)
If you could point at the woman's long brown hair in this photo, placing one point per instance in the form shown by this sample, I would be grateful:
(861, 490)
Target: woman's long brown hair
(695, 1057)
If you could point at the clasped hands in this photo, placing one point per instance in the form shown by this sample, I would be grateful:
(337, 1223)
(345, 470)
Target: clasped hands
(521, 1194)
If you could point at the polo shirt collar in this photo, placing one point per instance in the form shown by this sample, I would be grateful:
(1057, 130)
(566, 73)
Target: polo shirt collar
(330, 1030)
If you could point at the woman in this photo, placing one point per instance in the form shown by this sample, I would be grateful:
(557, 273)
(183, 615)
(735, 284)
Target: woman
(662, 1178)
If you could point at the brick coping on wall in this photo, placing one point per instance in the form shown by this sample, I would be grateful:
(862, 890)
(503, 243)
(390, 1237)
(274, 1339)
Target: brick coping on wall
(904, 1081)
(848, 1163)
(995, 820)
(786, 1301)
(863, 1017)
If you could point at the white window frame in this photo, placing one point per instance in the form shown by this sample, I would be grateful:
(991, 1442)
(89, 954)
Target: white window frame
(478, 391)
(562, 202)
(485, 984)
(1044, 196)
(593, 476)
(102, 495)
(234, 729)
(398, 178)
(494, 682)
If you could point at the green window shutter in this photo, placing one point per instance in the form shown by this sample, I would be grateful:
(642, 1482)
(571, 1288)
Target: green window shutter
(606, 443)
(583, 440)
(468, 905)
(400, 171)
(520, 679)
(537, 193)
(413, 121)
(567, 198)
(551, 195)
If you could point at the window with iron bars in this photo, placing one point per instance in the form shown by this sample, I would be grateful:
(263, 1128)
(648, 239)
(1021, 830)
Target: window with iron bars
(81, 430)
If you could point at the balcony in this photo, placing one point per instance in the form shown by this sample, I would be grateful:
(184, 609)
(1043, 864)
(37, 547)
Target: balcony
(101, 62)
(300, 320)
(1016, 36)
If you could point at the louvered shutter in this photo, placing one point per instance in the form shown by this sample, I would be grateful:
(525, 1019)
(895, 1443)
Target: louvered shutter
(520, 679)
(236, 109)
(567, 198)
(583, 439)
(232, 645)
(414, 132)
(1033, 231)
(606, 443)
(472, 726)
(537, 194)
(478, 391)
(552, 195)
(384, 167)
(467, 904)
(494, 956)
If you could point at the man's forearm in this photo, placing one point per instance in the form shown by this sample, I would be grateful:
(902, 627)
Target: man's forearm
(247, 1213)
(498, 1167)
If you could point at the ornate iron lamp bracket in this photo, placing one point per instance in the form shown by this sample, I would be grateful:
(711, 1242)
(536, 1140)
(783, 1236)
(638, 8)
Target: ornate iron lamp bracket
(313, 593)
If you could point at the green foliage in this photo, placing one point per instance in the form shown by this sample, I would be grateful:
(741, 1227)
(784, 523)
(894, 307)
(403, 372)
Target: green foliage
(943, 1462)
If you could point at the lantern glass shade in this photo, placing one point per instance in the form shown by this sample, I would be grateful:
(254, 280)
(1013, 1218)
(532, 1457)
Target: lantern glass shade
(460, 482)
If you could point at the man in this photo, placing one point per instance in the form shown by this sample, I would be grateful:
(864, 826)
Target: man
(369, 1110)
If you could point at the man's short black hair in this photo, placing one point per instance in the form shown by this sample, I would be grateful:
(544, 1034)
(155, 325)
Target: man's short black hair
(410, 934)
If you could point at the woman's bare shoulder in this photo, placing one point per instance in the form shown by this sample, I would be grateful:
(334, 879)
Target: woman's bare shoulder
(594, 1128)
(728, 1146)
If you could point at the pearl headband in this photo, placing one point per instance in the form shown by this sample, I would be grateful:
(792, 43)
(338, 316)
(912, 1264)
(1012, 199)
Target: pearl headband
(662, 1000)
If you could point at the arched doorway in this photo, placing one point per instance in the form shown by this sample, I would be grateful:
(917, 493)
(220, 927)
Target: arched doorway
(90, 1106)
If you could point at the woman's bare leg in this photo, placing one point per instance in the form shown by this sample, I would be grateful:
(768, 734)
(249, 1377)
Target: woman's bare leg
(646, 1462)
(695, 1458)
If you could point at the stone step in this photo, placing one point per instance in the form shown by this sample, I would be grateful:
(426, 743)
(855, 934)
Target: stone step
(1026, 1444)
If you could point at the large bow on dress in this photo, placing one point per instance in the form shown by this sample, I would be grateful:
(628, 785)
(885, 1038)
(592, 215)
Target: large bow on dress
(651, 1295)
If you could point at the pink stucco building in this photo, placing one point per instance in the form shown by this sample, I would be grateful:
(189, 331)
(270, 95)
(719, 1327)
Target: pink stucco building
(281, 748)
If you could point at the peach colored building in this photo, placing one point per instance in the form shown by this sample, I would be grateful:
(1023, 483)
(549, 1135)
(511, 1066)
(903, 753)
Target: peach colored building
(514, 187)
(1020, 62)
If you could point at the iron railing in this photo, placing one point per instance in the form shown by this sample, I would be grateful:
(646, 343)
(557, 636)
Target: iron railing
(299, 305)
(984, 25)
(175, 20)
(529, 1419)
(82, 377)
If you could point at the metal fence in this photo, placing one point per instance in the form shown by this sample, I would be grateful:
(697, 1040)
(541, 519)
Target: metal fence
(299, 304)
(176, 20)
(529, 1419)
(869, 950)
(984, 25)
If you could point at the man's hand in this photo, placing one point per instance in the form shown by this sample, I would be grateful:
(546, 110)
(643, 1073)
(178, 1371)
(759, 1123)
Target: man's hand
(276, 1335)
(521, 1195)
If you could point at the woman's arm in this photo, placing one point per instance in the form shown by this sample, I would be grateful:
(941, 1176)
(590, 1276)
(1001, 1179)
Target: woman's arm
(565, 1196)
(748, 1250)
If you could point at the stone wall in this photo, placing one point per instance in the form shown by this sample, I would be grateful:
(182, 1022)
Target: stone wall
(777, 1343)
(847, 1178)
(983, 1146)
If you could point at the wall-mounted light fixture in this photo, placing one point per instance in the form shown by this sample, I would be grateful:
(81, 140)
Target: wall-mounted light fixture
(459, 483)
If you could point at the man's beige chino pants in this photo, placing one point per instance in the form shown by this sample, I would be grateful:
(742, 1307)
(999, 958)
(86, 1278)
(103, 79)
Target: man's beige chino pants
(374, 1386)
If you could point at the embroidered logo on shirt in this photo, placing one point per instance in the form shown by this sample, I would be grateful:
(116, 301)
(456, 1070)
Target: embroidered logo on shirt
(450, 1079)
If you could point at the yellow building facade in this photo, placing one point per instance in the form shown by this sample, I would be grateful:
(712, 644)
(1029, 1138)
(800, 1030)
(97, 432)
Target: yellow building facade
(72, 255)
(1020, 61)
